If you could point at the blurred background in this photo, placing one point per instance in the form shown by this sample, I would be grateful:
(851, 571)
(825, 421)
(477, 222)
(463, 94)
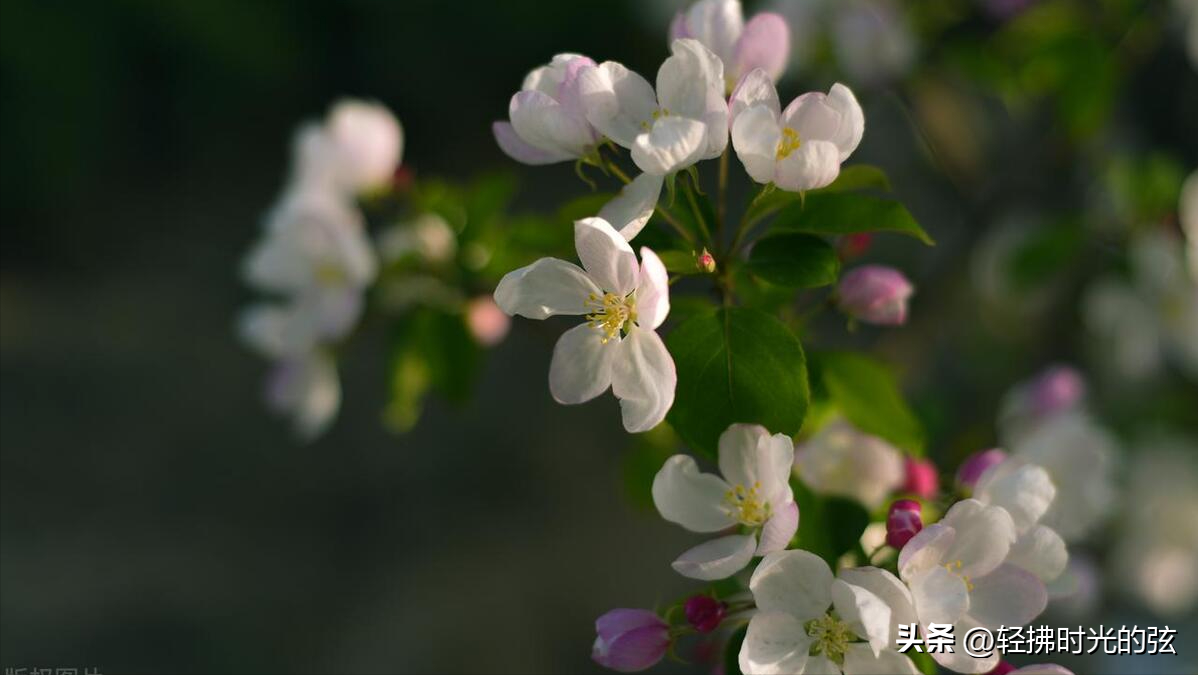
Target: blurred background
(155, 518)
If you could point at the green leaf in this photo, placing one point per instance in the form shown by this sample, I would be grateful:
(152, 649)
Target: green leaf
(795, 260)
(848, 213)
(830, 526)
(867, 394)
(433, 350)
(736, 365)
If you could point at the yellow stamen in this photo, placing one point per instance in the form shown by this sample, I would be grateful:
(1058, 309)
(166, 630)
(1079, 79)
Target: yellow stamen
(612, 313)
(789, 142)
(746, 506)
(955, 568)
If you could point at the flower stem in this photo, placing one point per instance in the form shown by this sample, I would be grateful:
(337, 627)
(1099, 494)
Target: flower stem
(721, 211)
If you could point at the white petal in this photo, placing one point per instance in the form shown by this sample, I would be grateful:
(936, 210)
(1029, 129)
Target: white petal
(672, 144)
(521, 150)
(689, 498)
(795, 581)
(887, 587)
(1042, 669)
(779, 529)
(652, 291)
(814, 164)
(687, 77)
(814, 119)
(754, 88)
(775, 644)
(718, 24)
(925, 550)
(309, 390)
(716, 559)
(859, 659)
(961, 662)
(545, 288)
(643, 378)
(617, 101)
(368, 140)
(820, 665)
(581, 368)
(755, 135)
(1040, 551)
(629, 210)
(1025, 491)
(605, 255)
(765, 44)
(543, 123)
(864, 612)
(1007, 596)
(852, 126)
(751, 457)
(984, 537)
(940, 596)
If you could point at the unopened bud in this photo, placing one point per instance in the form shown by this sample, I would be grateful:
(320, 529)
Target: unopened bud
(487, 323)
(923, 480)
(875, 294)
(706, 262)
(903, 522)
(629, 640)
(704, 613)
(854, 245)
(1056, 389)
(1002, 668)
(977, 464)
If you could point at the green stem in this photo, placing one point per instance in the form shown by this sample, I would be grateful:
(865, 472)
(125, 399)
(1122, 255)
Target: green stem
(721, 209)
(690, 197)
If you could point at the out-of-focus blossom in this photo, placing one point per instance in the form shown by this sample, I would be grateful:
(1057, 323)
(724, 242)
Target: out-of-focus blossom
(958, 573)
(618, 346)
(1188, 207)
(903, 521)
(854, 245)
(763, 42)
(704, 613)
(873, 42)
(1156, 555)
(1026, 492)
(975, 465)
(800, 148)
(630, 640)
(875, 294)
(754, 492)
(1056, 390)
(811, 622)
(487, 323)
(1005, 668)
(357, 148)
(548, 119)
(1078, 590)
(427, 236)
(842, 461)
(923, 480)
(307, 389)
(1079, 457)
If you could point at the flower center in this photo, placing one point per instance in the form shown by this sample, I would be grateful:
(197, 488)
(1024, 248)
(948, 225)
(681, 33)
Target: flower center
(954, 567)
(746, 506)
(611, 313)
(789, 142)
(657, 114)
(328, 274)
(831, 637)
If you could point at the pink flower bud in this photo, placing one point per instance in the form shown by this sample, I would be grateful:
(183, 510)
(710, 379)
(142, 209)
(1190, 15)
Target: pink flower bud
(704, 612)
(923, 480)
(1001, 669)
(875, 294)
(903, 522)
(706, 262)
(487, 323)
(629, 640)
(855, 245)
(977, 464)
(1056, 389)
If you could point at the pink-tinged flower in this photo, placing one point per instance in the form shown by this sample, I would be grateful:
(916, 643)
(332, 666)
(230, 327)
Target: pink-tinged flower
(800, 148)
(903, 522)
(629, 640)
(875, 294)
(487, 323)
(357, 148)
(763, 42)
(977, 464)
(843, 461)
(1056, 390)
(308, 390)
(1004, 668)
(548, 119)
(704, 613)
(923, 480)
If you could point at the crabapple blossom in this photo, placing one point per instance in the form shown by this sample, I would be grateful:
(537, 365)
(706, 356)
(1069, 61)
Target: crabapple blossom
(922, 478)
(307, 389)
(617, 346)
(754, 492)
(357, 148)
(875, 294)
(843, 461)
(548, 120)
(958, 573)
(800, 148)
(628, 640)
(763, 42)
(903, 521)
(975, 465)
(1058, 389)
(1004, 668)
(1026, 492)
(487, 323)
(811, 622)
(426, 236)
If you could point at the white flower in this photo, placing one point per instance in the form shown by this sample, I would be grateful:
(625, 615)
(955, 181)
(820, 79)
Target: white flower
(1026, 492)
(685, 121)
(1079, 457)
(872, 40)
(754, 493)
(618, 345)
(307, 389)
(426, 236)
(800, 148)
(793, 630)
(548, 120)
(358, 147)
(958, 574)
(763, 42)
(840, 460)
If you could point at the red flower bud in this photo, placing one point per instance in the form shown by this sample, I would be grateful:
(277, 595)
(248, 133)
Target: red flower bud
(704, 613)
(903, 522)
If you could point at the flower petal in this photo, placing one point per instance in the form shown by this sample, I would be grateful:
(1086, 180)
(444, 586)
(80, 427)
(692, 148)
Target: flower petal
(925, 550)
(812, 116)
(1024, 490)
(617, 101)
(984, 537)
(1007, 596)
(859, 659)
(619, 621)
(689, 498)
(716, 559)
(672, 144)
(852, 120)
(652, 291)
(796, 581)
(814, 164)
(1040, 551)
(543, 123)
(718, 24)
(520, 150)
(309, 390)
(775, 644)
(755, 135)
(629, 210)
(779, 529)
(940, 596)
(765, 44)
(1041, 669)
(864, 612)
(961, 662)
(753, 89)
(750, 456)
(643, 378)
(887, 587)
(820, 665)
(606, 256)
(545, 288)
(687, 77)
(581, 367)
